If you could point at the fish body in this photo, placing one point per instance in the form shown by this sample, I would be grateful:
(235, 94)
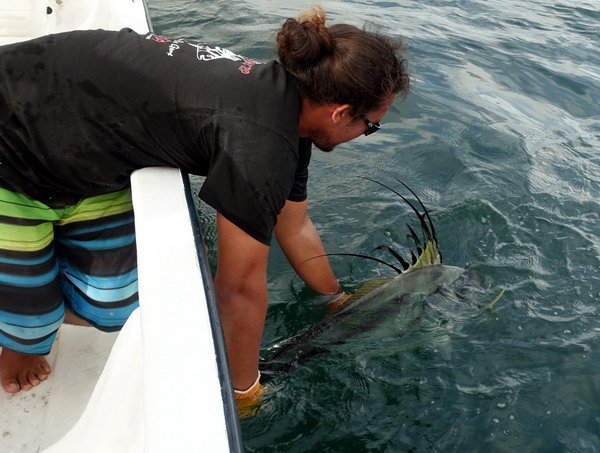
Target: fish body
(423, 279)
(373, 305)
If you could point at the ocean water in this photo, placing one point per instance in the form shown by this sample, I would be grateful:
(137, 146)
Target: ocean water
(500, 136)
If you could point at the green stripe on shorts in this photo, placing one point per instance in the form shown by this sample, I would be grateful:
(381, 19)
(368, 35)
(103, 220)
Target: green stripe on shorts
(14, 204)
(30, 238)
(99, 206)
(24, 238)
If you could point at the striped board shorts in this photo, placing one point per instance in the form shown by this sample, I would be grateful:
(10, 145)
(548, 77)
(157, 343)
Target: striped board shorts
(80, 257)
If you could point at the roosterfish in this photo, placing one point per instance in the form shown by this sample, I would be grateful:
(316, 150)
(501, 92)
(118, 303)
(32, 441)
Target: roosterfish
(421, 280)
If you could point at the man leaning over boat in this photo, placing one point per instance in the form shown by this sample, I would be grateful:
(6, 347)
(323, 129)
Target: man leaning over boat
(80, 111)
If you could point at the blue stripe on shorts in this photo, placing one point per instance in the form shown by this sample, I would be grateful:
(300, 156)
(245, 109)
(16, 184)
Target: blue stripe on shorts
(31, 327)
(27, 262)
(105, 318)
(41, 347)
(102, 289)
(29, 281)
(100, 244)
(30, 334)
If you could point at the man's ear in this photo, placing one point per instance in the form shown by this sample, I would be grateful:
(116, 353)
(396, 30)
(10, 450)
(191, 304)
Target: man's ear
(341, 113)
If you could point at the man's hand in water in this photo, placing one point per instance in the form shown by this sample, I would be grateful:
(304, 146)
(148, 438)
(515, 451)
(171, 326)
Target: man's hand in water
(249, 400)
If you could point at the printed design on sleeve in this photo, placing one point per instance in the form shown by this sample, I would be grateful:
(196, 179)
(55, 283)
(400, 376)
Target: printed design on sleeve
(204, 52)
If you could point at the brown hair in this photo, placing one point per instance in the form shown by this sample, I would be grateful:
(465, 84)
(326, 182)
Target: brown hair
(341, 64)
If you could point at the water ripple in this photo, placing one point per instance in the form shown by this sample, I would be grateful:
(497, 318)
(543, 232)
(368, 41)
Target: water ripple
(500, 136)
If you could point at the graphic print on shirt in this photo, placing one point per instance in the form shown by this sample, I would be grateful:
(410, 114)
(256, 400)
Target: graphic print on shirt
(204, 52)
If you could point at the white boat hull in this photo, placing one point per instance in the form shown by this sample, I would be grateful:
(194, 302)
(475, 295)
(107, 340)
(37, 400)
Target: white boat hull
(25, 19)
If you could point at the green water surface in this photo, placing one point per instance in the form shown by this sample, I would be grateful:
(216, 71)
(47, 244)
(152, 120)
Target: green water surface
(500, 136)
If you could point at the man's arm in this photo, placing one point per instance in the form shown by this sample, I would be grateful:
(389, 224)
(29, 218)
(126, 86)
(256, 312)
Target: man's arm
(241, 291)
(300, 242)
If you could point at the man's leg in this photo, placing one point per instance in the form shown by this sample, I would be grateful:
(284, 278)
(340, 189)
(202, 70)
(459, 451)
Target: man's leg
(31, 308)
(96, 249)
(74, 320)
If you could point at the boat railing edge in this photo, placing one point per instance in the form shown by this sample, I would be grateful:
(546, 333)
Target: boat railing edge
(229, 404)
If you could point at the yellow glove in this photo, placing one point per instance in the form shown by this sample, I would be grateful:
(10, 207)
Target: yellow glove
(248, 401)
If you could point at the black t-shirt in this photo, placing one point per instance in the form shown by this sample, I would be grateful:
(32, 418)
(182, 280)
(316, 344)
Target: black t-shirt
(80, 111)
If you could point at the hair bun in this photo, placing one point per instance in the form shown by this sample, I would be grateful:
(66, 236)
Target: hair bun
(304, 42)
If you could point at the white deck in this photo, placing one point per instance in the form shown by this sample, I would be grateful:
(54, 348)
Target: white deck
(32, 421)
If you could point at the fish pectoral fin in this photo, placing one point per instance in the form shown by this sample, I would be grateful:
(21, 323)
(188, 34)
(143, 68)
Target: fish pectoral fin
(367, 288)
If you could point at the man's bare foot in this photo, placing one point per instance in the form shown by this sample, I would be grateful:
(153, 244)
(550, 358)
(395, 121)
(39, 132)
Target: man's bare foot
(22, 371)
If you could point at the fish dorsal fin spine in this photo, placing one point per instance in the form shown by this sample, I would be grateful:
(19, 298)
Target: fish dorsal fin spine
(428, 257)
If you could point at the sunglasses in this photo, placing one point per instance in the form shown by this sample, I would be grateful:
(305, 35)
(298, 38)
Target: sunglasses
(371, 126)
